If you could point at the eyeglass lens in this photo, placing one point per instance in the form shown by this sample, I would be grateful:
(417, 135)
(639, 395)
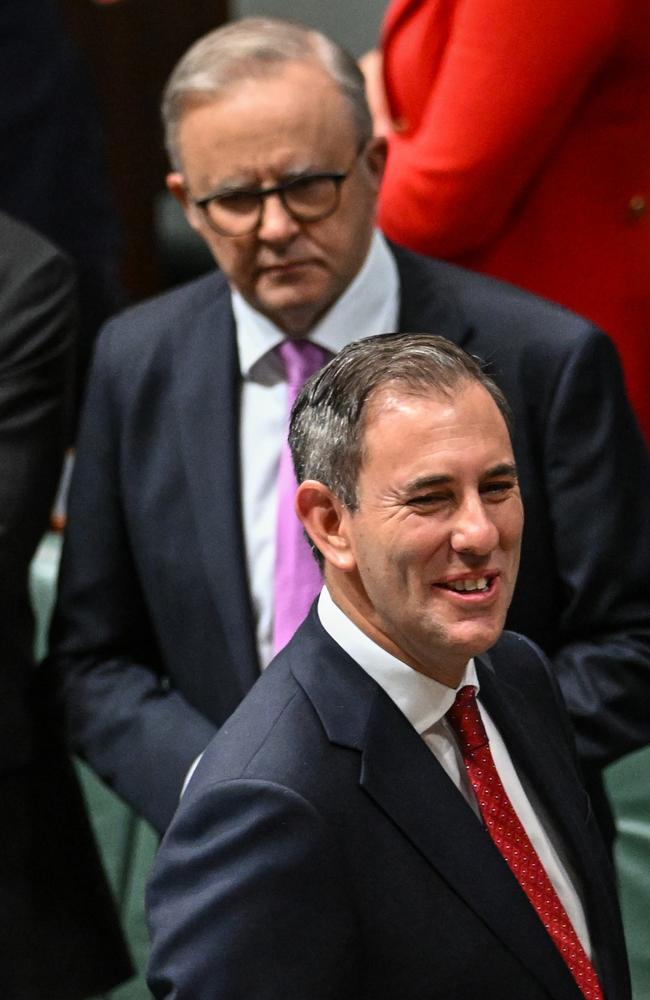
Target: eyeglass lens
(306, 199)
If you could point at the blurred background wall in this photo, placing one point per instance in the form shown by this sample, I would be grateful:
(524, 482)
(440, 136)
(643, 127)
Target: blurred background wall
(353, 25)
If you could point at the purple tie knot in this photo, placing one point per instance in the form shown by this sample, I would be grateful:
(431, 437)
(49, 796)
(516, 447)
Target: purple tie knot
(301, 358)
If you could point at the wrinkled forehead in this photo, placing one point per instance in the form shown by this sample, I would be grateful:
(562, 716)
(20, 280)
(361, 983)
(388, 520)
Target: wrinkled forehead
(394, 394)
(463, 411)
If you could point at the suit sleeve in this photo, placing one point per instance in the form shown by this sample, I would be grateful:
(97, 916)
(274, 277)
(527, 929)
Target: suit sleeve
(37, 333)
(598, 485)
(508, 82)
(137, 732)
(248, 893)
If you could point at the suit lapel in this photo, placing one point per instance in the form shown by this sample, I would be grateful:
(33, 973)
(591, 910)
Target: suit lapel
(406, 782)
(552, 779)
(427, 305)
(539, 760)
(206, 392)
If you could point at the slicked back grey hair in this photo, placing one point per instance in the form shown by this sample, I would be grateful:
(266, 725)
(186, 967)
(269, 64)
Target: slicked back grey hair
(328, 419)
(256, 48)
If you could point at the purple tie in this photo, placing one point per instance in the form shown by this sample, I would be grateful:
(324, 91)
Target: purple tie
(297, 578)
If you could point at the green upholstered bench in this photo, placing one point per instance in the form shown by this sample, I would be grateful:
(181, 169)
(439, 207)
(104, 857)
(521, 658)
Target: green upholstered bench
(628, 785)
(127, 844)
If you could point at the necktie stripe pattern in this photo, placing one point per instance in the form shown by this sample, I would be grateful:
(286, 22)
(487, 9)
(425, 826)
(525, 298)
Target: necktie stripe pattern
(297, 578)
(513, 842)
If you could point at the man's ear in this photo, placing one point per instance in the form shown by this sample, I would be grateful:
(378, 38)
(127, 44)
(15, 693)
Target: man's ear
(176, 187)
(325, 518)
(375, 158)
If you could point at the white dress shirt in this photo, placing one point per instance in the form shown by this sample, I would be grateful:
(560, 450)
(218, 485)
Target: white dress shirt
(369, 305)
(425, 702)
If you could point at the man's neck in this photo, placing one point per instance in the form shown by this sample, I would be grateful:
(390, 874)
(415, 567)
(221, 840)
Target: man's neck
(353, 602)
(369, 305)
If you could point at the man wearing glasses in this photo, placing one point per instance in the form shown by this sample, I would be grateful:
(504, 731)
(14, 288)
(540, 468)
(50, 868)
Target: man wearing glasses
(184, 568)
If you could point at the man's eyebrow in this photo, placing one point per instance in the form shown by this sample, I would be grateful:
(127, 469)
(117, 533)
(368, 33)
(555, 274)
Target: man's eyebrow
(230, 187)
(508, 469)
(240, 183)
(426, 482)
(502, 469)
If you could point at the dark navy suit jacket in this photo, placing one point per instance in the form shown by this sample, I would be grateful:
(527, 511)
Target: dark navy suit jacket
(60, 937)
(322, 853)
(154, 634)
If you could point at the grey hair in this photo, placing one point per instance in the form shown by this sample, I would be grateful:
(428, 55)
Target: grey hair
(256, 48)
(328, 420)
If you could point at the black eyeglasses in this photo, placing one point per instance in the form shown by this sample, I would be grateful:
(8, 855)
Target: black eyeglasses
(307, 198)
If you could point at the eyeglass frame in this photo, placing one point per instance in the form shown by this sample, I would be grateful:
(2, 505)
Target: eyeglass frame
(338, 176)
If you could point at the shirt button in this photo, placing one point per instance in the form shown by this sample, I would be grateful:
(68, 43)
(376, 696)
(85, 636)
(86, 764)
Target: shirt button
(637, 206)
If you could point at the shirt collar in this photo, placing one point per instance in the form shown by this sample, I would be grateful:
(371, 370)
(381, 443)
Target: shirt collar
(369, 305)
(423, 700)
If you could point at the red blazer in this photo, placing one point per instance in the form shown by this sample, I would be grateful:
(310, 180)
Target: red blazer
(525, 152)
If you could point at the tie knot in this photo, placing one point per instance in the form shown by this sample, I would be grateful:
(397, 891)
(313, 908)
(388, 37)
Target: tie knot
(465, 719)
(301, 358)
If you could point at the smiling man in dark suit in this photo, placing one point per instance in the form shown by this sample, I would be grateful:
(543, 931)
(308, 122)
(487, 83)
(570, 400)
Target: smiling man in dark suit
(167, 608)
(395, 809)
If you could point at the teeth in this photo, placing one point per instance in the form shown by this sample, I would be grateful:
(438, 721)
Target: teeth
(462, 585)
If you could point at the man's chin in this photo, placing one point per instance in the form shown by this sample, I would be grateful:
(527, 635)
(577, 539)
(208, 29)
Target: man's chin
(295, 310)
(476, 639)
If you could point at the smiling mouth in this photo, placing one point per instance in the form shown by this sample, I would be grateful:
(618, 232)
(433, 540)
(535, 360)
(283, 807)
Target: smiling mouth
(479, 584)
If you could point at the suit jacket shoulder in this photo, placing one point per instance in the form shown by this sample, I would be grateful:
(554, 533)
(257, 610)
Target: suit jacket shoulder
(144, 335)
(481, 299)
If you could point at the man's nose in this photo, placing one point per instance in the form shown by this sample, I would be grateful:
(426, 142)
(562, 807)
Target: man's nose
(473, 529)
(276, 224)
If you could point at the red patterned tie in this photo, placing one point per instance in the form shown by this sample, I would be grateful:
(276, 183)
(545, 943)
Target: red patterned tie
(512, 840)
(297, 578)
